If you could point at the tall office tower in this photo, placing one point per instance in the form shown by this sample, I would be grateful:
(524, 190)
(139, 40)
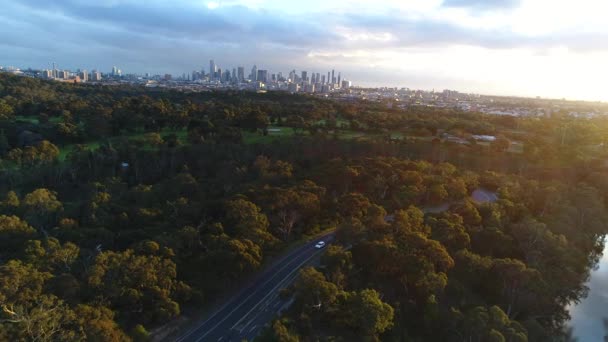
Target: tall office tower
(318, 78)
(47, 73)
(323, 79)
(84, 75)
(339, 78)
(304, 76)
(292, 76)
(262, 76)
(333, 76)
(328, 78)
(313, 78)
(280, 76)
(95, 76)
(254, 73)
(194, 75)
(218, 74)
(233, 79)
(241, 74)
(212, 69)
(227, 76)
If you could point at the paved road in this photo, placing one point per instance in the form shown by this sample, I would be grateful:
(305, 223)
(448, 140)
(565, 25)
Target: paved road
(244, 316)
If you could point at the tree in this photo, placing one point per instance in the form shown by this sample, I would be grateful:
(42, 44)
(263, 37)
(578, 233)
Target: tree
(515, 280)
(13, 234)
(50, 255)
(140, 334)
(42, 207)
(338, 263)
(144, 284)
(450, 231)
(364, 313)
(353, 205)
(244, 219)
(501, 144)
(255, 120)
(4, 146)
(26, 313)
(278, 332)
(236, 257)
(46, 319)
(313, 292)
(6, 110)
(98, 324)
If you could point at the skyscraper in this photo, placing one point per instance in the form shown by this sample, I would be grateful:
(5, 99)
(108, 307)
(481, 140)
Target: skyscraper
(95, 75)
(84, 75)
(328, 78)
(241, 74)
(304, 77)
(339, 78)
(254, 73)
(333, 77)
(262, 76)
(212, 69)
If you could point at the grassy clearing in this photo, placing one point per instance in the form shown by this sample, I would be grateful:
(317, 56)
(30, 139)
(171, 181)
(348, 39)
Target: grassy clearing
(135, 136)
(34, 120)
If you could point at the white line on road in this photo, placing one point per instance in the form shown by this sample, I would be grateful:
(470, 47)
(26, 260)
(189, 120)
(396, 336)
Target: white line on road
(279, 284)
(233, 310)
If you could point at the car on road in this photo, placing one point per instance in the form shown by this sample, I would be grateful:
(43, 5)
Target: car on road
(320, 244)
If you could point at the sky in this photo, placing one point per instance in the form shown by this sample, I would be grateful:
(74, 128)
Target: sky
(547, 48)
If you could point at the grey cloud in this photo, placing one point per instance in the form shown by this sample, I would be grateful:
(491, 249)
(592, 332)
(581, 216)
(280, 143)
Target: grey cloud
(230, 23)
(173, 37)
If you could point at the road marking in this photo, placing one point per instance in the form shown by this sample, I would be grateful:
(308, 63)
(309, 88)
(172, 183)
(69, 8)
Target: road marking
(217, 312)
(193, 330)
(252, 329)
(243, 302)
(279, 284)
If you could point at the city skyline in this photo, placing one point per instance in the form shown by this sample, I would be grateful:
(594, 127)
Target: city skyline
(504, 47)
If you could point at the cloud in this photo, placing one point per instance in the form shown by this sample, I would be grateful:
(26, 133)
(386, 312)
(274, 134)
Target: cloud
(360, 37)
(483, 4)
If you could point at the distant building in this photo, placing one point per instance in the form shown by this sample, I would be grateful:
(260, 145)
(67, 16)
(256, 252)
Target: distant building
(262, 76)
(346, 84)
(241, 74)
(167, 77)
(63, 74)
(293, 87)
(254, 73)
(212, 69)
(84, 76)
(95, 76)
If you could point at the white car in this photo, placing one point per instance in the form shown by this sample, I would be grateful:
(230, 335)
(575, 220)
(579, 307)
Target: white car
(320, 244)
